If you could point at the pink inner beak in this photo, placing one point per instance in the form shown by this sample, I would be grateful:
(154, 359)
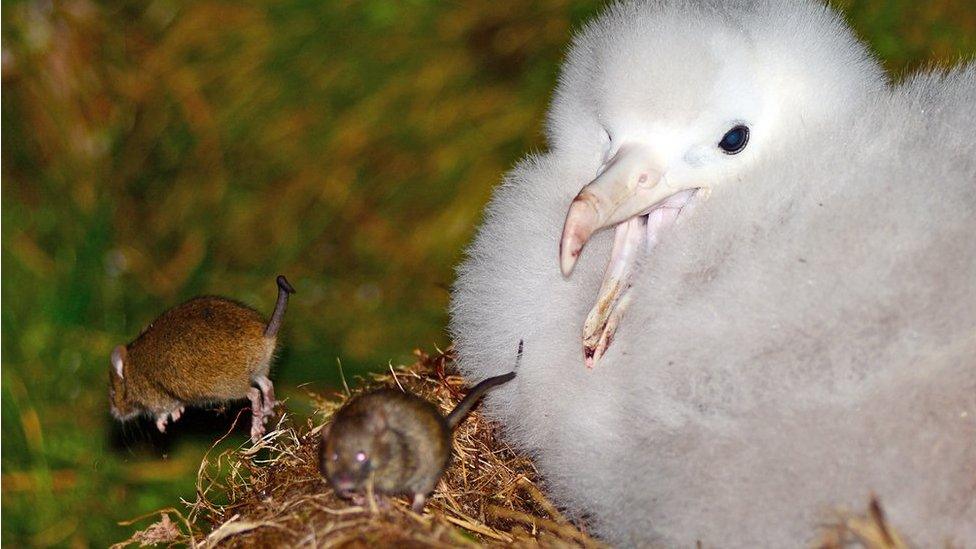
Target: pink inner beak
(631, 195)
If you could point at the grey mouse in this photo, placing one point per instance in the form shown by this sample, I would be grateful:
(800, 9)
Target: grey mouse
(210, 349)
(398, 440)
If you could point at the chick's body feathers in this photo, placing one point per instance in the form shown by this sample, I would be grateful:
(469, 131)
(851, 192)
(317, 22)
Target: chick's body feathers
(803, 337)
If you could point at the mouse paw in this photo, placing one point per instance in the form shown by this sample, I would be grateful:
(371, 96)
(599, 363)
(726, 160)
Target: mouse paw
(168, 417)
(419, 500)
(175, 415)
(257, 430)
(358, 499)
(362, 500)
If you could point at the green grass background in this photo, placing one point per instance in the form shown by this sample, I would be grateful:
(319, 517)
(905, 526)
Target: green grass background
(156, 150)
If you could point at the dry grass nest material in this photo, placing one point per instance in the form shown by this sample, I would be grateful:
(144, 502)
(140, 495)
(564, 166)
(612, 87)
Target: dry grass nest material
(271, 493)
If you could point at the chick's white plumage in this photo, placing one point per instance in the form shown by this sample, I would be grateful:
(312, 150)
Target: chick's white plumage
(800, 338)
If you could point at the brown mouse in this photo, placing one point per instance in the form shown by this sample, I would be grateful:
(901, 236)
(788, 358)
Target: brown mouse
(207, 350)
(397, 440)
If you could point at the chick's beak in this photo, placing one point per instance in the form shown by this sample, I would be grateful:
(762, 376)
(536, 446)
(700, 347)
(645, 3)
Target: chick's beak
(631, 185)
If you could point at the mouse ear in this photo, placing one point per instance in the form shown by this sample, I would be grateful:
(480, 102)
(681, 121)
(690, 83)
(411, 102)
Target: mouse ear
(118, 359)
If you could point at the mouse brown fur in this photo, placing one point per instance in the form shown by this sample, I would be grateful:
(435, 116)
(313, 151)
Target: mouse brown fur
(398, 441)
(401, 439)
(207, 350)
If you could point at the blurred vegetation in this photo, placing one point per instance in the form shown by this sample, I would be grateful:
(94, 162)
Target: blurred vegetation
(157, 150)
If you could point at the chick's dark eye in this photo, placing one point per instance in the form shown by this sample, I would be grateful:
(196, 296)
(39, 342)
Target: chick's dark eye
(734, 140)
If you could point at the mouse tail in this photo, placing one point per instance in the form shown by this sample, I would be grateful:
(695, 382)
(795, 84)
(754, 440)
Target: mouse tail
(474, 395)
(284, 290)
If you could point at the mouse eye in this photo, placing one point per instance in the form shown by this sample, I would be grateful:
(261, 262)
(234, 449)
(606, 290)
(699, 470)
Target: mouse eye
(360, 456)
(734, 140)
(334, 456)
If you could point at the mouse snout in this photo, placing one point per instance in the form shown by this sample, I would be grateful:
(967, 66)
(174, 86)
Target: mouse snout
(343, 482)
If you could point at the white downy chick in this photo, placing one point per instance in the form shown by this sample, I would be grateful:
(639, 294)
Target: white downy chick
(803, 336)
(666, 101)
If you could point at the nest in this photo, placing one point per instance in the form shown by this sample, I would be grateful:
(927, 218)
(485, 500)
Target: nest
(271, 493)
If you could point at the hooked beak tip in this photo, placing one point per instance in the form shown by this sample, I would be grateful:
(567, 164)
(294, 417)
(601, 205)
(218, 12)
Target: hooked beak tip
(581, 220)
(569, 250)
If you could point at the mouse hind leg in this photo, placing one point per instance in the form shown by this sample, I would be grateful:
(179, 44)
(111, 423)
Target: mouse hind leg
(267, 394)
(257, 414)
